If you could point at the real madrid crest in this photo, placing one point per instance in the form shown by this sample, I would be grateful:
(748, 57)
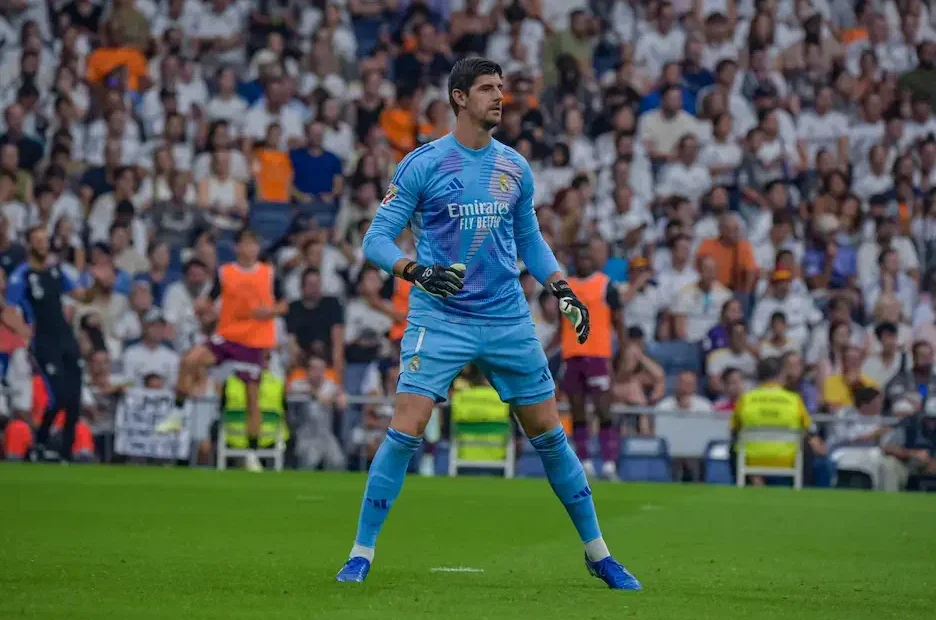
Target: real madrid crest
(504, 183)
(414, 364)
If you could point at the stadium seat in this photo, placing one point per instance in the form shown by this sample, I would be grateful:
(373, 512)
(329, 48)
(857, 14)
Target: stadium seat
(529, 464)
(770, 435)
(236, 420)
(644, 459)
(321, 212)
(675, 357)
(718, 463)
(481, 436)
(270, 220)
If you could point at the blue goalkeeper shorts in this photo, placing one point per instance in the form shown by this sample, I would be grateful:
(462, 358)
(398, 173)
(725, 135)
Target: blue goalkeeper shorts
(433, 353)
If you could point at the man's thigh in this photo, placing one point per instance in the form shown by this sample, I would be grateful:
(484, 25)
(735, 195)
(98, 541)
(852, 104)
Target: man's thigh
(513, 360)
(432, 355)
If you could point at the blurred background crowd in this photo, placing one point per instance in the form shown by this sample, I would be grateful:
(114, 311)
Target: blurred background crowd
(758, 177)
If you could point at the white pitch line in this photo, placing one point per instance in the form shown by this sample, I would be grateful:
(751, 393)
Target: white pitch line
(455, 569)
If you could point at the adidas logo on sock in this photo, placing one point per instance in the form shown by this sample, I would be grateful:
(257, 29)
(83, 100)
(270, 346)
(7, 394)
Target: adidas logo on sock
(379, 504)
(454, 186)
(582, 494)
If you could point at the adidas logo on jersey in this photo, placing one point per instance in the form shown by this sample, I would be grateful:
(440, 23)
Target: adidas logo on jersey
(454, 185)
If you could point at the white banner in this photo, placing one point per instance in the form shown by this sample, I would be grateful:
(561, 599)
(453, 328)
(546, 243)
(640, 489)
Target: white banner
(139, 413)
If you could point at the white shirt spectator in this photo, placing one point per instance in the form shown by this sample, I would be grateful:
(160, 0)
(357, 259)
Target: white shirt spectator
(800, 314)
(654, 49)
(696, 404)
(721, 154)
(672, 281)
(861, 137)
(259, 117)
(677, 179)
(722, 359)
(821, 131)
(869, 252)
(642, 310)
(702, 309)
(663, 134)
(140, 360)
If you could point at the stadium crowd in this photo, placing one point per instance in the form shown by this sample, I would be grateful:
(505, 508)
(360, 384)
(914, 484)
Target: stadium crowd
(757, 177)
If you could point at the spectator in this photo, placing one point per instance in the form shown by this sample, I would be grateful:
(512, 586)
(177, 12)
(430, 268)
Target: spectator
(735, 386)
(317, 171)
(126, 258)
(777, 343)
(316, 323)
(890, 361)
(698, 306)
(732, 255)
(177, 222)
(736, 355)
(641, 299)
(800, 313)
(661, 130)
(685, 176)
(911, 443)
(178, 303)
(222, 197)
(838, 390)
(316, 444)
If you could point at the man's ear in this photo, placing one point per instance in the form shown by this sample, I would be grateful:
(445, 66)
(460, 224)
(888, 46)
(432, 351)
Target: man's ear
(460, 97)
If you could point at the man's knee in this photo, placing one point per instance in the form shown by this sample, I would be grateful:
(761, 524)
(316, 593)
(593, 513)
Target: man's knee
(412, 413)
(539, 417)
(199, 355)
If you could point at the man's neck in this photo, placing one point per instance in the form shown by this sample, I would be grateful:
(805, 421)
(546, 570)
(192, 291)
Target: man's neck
(150, 344)
(36, 265)
(470, 135)
(311, 302)
(316, 151)
(684, 400)
(888, 357)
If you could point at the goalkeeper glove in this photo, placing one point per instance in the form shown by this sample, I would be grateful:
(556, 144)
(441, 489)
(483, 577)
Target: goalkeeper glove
(572, 308)
(437, 280)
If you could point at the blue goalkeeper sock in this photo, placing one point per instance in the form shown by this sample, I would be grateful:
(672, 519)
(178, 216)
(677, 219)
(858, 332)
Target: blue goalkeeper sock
(384, 481)
(567, 478)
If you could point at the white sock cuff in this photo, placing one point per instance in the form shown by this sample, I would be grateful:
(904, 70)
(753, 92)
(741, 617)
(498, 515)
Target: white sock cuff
(360, 551)
(596, 549)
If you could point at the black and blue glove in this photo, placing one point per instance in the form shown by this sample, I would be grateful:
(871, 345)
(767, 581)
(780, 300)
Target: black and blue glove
(572, 308)
(437, 280)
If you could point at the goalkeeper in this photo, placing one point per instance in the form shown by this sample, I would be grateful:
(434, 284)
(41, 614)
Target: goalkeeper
(469, 202)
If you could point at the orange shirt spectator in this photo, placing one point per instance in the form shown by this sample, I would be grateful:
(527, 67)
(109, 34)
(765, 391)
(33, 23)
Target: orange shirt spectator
(400, 126)
(274, 175)
(734, 257)
(104, 60)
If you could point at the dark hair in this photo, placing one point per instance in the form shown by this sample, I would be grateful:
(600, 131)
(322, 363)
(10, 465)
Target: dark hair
(245, 233)
(777, 316)
(769, 368)
(464, 74)
(885, 328)
(31, 230)
(884, 253)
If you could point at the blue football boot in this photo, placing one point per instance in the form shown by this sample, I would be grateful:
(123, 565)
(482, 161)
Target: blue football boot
(612, 573)
(356, 569)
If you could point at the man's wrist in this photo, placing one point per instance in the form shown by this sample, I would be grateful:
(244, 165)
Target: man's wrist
(409, 271)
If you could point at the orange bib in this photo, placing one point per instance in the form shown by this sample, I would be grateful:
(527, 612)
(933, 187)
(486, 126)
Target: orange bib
(592, 291)
(242, 291)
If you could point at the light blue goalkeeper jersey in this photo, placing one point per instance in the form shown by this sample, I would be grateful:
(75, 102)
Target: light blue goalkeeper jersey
(465, 206)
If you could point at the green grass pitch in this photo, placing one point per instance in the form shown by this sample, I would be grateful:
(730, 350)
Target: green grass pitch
(145, 543)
